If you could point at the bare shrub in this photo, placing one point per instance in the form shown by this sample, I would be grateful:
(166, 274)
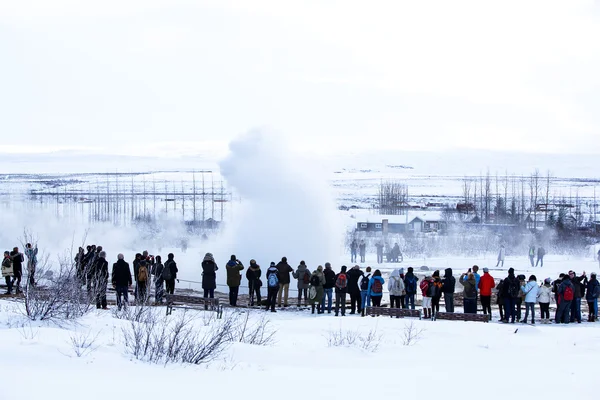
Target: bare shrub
(353, 338)
(165, 340)
(27, 331)
(259, 333)
(411, 334)
(83, 344)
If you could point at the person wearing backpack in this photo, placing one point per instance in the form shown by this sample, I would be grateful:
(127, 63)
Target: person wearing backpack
(169, 273)
(531, 291)
(142, 278)
(593, 291)
(158, 269)
(543, 297)
(7, 271)
(17, 261)
(234, 278)
(328, 287)
(284, 281)
(448, 288)
(510, 293)
(354, 275)
(121, 281)
(376, 288)
(365, 300)
(209, 276)
(425, 286)
(341, 288)
(485, 285)
(395, 288)
(410, 283)
(565, 297)
(302, 274)
(254, 283)
(436, 297)
(469, 292)
(315, 293)
(578, 292)
(272, 287)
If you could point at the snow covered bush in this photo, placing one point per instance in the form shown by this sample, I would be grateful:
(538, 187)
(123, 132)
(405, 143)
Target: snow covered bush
(259, 333)
(411, 334)
(162, 340)
(354, 338)
(83, 344)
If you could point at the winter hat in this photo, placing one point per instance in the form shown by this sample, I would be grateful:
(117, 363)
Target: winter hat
(356, 267)
(320, 268)
(485, 269)
(253, 261)
(120, 256)
(401, 271)
(302, 263)
(436, 273)
(511, 271)
(593, 274)
(272, 264)
(344, 268)
(547, 281)
(410, 269)
(233, 257)
(283, 259)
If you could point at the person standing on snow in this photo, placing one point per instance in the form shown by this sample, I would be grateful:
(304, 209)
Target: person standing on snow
(7, 271)
(328, 288)
(593, 291)
(376, 288)
(437, 296)
(485, 285)
(395, 288)
(448, 288)
(17, 260)
(578, 292)
(31, 254)
(121, 281)
(362, 248)
(234, 279)
(543, 297)
(379, 247)
(353, 251)
(158, 268)
(302, 274)
(341, 288)
(354, 276)
(284, 281)
(469, 292)
(410, 284)
(540, 256)
(531, 291)
(169, 273)
(317, 280)
(254, 283)
(510, 293)
(365, 301)
(531, 254)
(501, 255)
(100, 280)
(209, 276)
(272, 286)
(565, 297)
(425, 286)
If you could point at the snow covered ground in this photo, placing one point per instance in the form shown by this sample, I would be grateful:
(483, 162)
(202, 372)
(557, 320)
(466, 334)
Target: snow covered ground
(451, 359)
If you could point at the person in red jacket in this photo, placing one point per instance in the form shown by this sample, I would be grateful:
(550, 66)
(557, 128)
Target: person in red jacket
(486, 284)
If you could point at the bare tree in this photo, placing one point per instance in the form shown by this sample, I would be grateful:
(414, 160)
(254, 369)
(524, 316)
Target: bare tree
(392, 198)
(534, 193)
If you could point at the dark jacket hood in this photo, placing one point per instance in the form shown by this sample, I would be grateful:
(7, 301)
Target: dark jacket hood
(447, 272)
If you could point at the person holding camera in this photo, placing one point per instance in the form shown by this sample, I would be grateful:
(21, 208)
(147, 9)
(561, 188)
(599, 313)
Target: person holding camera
(234, 279)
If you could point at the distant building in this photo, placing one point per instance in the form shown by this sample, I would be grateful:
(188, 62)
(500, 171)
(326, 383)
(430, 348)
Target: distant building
(424, 221)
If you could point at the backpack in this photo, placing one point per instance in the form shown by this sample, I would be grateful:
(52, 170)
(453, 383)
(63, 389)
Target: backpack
(411, 284)
(166, 272)
(142, 274)
(272, 280)
(514, 288)
(306, 278)
(364, 283)
(376, 286)
(432, 290)
(568, 294)
(312, 293)
(315, 281)
(424, 287)
(341, 282)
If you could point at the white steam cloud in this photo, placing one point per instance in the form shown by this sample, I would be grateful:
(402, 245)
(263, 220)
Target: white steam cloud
(287, 207)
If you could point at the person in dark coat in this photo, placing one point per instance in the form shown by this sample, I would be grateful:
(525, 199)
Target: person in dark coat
(121, 281)
(254, 283)
(234, 278)
(209, 276)
(592, 294)
(448, 288)
(100, 280)
(328, 288)
(272, 286)
(540, 256)
(410, 285)
(578, 292)
(79, 266)
(171, 274)
(379, 247)
(302, 275)
(284, 281)
(136, 267)
(143, 281)
(17, 260)
(340, 292)
(354, 276)
(353, 250)
(510, 293)
(158, 268)
(564, 306)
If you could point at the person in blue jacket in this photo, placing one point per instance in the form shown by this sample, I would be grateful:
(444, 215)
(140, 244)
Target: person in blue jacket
(375, 289)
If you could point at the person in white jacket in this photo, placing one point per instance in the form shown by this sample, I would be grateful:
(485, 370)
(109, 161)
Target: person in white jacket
(543, 297)
(501, 256)
(396, 288)
(530, 290)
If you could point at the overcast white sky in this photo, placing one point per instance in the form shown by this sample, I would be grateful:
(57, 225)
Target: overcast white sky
(331, 75)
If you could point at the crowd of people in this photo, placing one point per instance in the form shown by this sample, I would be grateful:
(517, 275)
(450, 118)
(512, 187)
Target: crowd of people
(12, 267)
